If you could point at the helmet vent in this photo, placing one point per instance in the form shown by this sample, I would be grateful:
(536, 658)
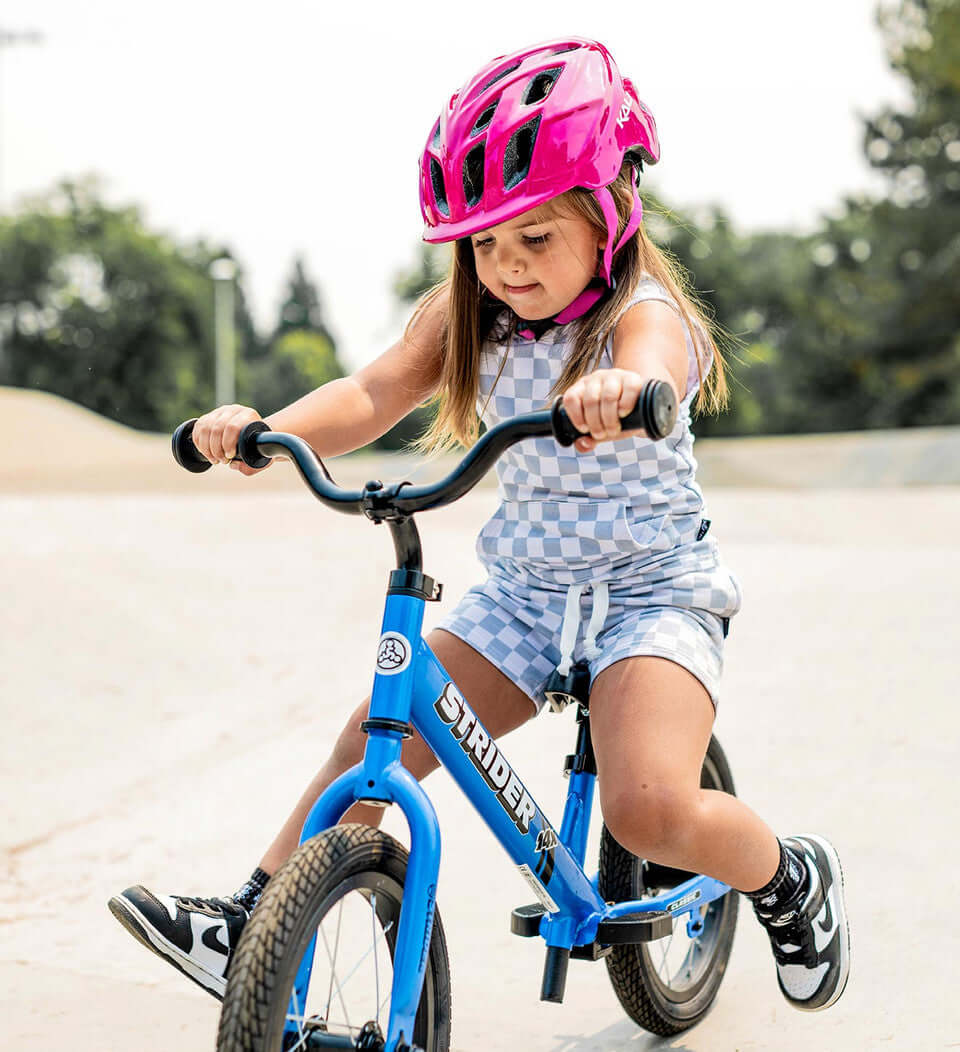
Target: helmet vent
(473, 176)
(484, 119)
(539, 88)
(435, 138)
(519, 153)
(439, 190)
(493, 80)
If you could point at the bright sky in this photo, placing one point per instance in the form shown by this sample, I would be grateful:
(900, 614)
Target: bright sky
(295, 127)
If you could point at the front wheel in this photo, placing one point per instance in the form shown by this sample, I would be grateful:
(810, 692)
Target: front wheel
(337, 897)
(668, 985)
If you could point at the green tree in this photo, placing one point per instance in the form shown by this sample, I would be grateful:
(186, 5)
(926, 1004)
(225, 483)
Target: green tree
(98, 309)
(298, 361)
(915, 251)
(856, 325)
(301, 354)
(302, 308)
(753, 288)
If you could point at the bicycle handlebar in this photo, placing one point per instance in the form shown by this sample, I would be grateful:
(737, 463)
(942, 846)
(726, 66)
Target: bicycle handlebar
(655, 413)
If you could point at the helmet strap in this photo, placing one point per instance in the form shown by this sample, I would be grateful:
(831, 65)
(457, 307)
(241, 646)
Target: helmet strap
(605, 200)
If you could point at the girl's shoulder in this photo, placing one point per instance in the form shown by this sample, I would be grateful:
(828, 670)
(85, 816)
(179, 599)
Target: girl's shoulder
(648, 288)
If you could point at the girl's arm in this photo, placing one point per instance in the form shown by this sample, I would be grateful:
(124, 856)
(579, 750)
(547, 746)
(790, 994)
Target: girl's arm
(344, 414)
(648, 344)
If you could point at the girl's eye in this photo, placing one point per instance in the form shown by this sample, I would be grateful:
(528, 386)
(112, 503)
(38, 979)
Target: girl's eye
(535, 240)
(483, 244)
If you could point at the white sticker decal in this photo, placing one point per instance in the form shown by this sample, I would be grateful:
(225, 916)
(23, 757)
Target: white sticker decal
(685, 901)
(539, 890)
(393, 654)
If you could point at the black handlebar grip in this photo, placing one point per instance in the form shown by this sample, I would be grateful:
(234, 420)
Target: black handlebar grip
(247, 449)
(185, 453)
(655, 413)
(188, 456)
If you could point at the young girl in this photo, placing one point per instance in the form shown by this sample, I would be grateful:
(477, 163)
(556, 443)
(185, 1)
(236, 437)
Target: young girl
(598, 552)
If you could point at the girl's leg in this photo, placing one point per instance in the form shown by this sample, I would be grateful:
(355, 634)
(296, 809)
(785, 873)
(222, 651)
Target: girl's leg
(651, 721)
(499, 703)
(170, 925)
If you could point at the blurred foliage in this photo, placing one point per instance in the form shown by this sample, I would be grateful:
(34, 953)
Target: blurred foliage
(857, 325)
(302, 309)
(300, 355)
(98, 309)
(299, 360)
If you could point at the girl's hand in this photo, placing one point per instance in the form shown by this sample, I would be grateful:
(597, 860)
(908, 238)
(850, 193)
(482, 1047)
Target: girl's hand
(596, 402)
(216, 434)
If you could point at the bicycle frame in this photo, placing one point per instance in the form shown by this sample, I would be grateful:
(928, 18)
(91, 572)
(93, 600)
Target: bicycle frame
(411, 686)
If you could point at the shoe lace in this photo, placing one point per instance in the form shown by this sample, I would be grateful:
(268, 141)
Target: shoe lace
(227, 905)
(798, 934)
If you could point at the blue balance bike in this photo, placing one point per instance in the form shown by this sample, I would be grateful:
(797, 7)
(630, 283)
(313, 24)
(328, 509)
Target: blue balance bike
(346, 949)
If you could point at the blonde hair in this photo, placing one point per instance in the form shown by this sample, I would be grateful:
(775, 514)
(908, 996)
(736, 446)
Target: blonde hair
(473, 318)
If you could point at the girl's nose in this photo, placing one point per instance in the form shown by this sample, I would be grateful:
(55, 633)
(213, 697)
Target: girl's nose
(509, 260)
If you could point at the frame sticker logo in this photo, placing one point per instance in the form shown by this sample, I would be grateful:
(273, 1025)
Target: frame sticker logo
(547, 841)
(393, 653)
(485, 756)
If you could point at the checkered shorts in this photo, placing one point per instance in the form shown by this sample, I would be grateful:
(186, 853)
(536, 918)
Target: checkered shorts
(515, 623)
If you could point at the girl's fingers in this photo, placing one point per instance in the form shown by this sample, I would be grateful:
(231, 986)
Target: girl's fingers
(600, 405)
(216, 434)
(596, 403)
(215, 439)
(610, 405)
(573, 404)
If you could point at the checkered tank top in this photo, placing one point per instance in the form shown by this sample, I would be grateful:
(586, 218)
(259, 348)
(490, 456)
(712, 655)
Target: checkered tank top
(568, 517)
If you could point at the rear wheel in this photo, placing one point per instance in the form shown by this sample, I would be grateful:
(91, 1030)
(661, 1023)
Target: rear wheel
(338, 897)
(668, 985)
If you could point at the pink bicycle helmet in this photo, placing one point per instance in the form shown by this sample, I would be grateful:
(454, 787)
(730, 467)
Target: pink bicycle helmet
(529, 126)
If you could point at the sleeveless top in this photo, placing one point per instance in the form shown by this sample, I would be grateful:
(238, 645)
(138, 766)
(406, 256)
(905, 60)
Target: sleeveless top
(567, 517)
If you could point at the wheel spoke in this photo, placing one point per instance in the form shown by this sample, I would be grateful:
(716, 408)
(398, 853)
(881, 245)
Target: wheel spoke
(666, 950)
(298, 1019)
(372, 949)
(376, 960)
(333, 966)
(340, 984)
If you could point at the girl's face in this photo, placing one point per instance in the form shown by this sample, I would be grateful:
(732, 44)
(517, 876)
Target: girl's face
(539, 262)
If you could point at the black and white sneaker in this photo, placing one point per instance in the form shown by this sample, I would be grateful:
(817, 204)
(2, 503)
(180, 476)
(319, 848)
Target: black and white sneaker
(197, 936)
(811, 942)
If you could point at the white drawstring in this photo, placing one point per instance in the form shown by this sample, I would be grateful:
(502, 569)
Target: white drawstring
(568, 631)
(571, 623)
(601, 602)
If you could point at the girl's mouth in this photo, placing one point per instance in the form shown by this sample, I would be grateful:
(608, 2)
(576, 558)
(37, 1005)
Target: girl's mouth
(515, 289)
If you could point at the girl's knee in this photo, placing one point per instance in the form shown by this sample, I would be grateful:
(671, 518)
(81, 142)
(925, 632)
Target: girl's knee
(650, 820)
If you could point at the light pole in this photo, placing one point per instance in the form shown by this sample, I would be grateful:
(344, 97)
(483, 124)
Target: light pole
(224, 271)
(9, 38)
